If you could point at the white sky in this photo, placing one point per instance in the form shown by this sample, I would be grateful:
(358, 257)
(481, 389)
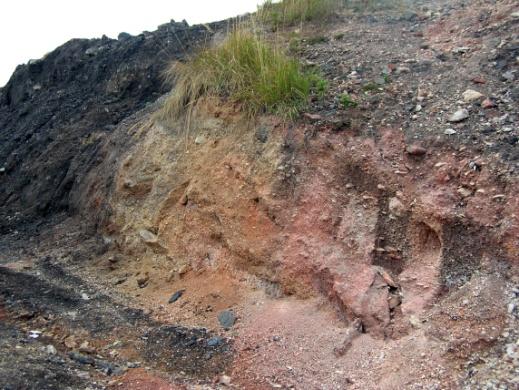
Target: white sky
(31, 28)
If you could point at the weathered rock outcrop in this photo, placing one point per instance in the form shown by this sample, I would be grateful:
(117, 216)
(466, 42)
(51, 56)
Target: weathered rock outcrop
(55, 112)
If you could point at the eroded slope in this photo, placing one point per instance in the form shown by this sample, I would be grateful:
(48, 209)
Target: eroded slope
(358, 248)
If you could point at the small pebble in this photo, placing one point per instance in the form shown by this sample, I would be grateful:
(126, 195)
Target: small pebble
(176, 296)
(459, 116)
(416, 150)
(449, 132)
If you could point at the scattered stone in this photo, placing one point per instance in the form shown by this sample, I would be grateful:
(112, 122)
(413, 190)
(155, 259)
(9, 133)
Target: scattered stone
(113, 260)
(415, 321)
(402, 69)
(148, 237)
(81, 359)
(340, 124)
(199, 140)
(70, 342)
(459, 116)
(449, 132)
(262, 134)
(460, 50)
(176, 296)
(478, 80)
(225, 380)
(226, 319)
(509, 76)
(121, 280)
(184, 200)
(475, 166)
(396, 207)
(416, 150)
(51, 349)
(85, 348)
(470, 95)
(143, 281)
(85, 297)
(183, 269)
(34, 334)
(464, 192)
(442, 57)
(107, 367)
(353, 75)
(26, 315)
(214, 341)
(313, 117)
(487, 103)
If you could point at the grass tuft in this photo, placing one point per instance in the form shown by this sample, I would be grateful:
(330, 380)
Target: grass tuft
(244, 69)
(375, 5)
(317, 40)
(291, 12)
(346, 101)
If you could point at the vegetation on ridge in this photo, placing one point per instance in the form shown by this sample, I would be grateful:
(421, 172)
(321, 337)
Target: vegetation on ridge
(244, 69)
(290, 12)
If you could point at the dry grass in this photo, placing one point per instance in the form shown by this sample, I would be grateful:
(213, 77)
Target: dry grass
(376, 5)
(291, 12)
(244, 69)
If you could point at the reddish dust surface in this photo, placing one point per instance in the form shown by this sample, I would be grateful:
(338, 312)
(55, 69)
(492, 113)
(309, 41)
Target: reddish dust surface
(139, 379)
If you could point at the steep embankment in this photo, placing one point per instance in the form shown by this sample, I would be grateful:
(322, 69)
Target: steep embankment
(380, 238)
(56, 112)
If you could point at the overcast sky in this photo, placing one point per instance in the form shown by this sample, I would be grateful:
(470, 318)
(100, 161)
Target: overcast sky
(31, 28)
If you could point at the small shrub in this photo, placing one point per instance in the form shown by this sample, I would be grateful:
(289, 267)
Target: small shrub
(375, 5)
(244, 69)
(370, 87)
(320, 85)
(316, 40)
(294, 45)
(291, 12)
(346, 101)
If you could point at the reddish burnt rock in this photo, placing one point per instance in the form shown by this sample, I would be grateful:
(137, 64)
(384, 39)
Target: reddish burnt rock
(478, 80)
(488, 103)
(416, 150)
(313, 117)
